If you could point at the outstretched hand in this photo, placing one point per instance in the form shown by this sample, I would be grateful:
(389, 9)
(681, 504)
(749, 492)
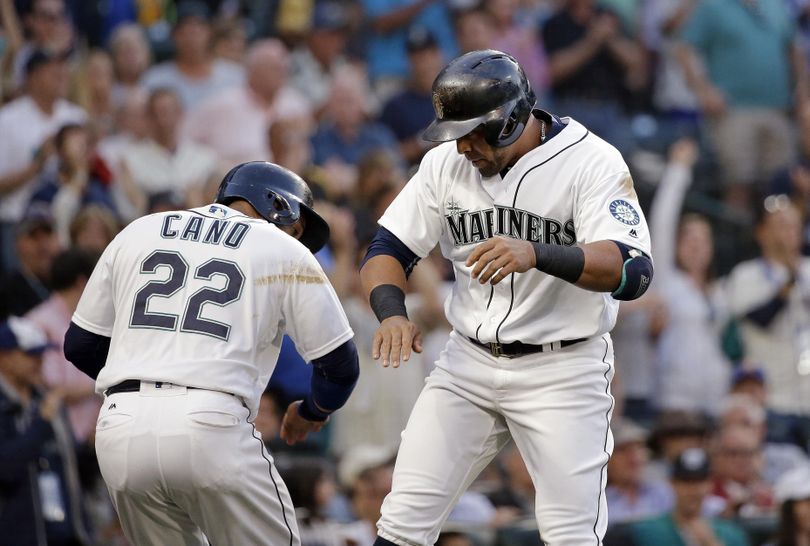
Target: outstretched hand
(394, 340)
(496, 258)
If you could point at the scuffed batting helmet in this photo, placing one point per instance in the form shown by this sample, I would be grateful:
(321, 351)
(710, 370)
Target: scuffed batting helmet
(279, 195)
(485, 88)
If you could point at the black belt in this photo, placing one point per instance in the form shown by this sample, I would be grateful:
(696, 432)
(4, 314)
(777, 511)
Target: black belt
(517, 348)
(131, 385)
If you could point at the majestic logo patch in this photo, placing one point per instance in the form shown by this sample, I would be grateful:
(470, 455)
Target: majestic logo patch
(624, 212)
(437, 106)
(633, 234)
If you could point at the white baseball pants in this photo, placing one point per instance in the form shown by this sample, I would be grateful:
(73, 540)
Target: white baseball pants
(557, 407)
(183, 465)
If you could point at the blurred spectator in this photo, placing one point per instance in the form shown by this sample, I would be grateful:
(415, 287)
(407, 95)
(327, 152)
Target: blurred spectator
(675, 432)
(92, 90)
(39, 488)
(696, 375)
(630, 494)
(49, 29)
(314, 62)
(745, 90)
(194, 74)
(11, 39)
(131, 57)
(32, 119)
(520, 40)
(131, 125)
(795, 180)
(290, 144)
(236, 123)
(408, 113)
(737, 463)
(312, 487)
(378, 181)
(768, 295)
(741, 410)
(453, 538)
(793, 494)
(74, 184)
(390, 19)
(165, 161)
(366, 471)
(474, 29)
(685, 525)
(591, 64)
(346, 134)
(93, 228)
(750, 382)
(635, 338)
(69, 275)
(229, 40)
(674, 100)
(28, 285)
(268, 419)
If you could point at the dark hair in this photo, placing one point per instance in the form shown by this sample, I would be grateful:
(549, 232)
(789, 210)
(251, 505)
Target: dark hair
(64, 130)
(71, 265)
(302, 478)
(786, 532)
(157, 94)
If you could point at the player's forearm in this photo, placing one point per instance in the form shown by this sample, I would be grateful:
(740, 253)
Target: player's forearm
(379, 270)
(603, 267)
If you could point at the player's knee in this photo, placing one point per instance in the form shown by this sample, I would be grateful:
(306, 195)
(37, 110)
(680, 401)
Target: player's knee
(637, 273)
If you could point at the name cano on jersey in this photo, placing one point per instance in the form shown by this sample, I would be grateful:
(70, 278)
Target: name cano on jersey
(206, 230)
(471, 227)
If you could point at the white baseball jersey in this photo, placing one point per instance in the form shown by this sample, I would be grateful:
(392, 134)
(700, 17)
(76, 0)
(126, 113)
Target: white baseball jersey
(203, 297)
(574, 189)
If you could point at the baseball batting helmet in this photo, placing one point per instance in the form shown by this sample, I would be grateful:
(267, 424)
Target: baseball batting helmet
(279, 195)
(485, 88)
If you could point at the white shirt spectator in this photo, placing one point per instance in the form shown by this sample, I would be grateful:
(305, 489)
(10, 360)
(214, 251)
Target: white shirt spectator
(235, 123)
(779, 346)
(224, 74)
(24, 127)
(309, 78)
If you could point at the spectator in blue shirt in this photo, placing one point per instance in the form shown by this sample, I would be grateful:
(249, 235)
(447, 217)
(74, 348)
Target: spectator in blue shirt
(409, 112)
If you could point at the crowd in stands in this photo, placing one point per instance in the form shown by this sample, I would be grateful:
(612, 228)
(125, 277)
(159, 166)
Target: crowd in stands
(110, 110)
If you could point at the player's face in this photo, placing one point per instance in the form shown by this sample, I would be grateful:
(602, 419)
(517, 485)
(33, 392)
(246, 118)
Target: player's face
(488, 160)
(296, 230)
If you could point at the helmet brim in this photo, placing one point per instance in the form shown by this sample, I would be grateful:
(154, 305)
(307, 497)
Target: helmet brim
(316, 232)
(445, 130)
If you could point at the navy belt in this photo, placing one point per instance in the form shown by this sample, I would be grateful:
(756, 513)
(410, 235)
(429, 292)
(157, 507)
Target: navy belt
(129, 385)
(517, 348)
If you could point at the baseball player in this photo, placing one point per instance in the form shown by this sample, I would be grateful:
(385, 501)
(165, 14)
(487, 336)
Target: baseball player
(542, 224)
(181, 323)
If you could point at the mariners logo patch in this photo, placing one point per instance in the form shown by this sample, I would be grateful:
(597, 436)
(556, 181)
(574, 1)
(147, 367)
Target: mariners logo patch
(624, 212)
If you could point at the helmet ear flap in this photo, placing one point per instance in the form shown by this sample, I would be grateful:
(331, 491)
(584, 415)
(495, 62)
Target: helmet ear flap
(280, 210)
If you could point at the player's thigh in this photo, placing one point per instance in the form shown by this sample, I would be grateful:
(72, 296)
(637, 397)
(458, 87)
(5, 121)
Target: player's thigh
(447, 442)
(150, 520)
(237, 496)
(560, 424)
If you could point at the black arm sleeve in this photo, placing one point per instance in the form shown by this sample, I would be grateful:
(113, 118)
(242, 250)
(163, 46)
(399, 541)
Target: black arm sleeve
(86, 350)
(387, 243)
(763, 315)
(333, 379)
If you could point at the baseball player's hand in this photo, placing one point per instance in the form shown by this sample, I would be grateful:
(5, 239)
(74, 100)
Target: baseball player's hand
(394, 339)
(498, 257)
(295, 428)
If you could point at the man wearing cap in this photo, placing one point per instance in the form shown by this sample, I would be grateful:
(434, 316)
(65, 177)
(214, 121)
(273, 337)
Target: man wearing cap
(684, 525)
(32, 119)
(194, 74)
(630, 494)
(236, 122)
(36, 245)
(39, 487)
(408, 113)
(313, 64)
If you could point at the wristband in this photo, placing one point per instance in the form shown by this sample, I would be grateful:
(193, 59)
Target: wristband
(563, 262)
(387, 300)
(309, 411)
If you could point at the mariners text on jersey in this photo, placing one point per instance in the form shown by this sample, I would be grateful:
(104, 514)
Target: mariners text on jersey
(471, 227)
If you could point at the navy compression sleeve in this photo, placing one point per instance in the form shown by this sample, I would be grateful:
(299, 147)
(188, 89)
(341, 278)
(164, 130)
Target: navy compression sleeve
(86, 350)
(333, 379)
(387, 243)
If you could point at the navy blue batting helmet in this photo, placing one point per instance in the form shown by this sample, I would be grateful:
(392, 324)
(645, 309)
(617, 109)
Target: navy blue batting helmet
(279, 195)
(487, 89)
